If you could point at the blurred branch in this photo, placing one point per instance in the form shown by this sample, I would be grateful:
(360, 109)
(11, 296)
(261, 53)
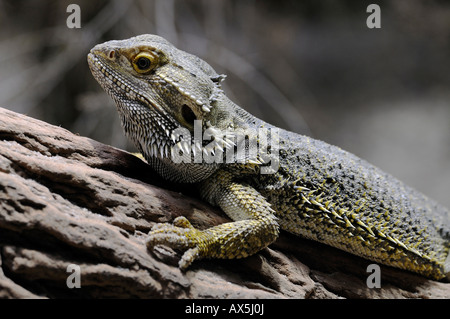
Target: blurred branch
(256, 81)
(165, 20)
(26, 89)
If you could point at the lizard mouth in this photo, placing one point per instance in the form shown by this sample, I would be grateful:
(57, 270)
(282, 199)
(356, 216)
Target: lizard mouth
(116, 84)
(111, 81)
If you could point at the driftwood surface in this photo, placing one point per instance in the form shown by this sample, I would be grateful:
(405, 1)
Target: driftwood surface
(67, 199)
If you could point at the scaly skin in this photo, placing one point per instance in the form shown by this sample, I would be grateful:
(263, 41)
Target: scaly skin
(318, 191)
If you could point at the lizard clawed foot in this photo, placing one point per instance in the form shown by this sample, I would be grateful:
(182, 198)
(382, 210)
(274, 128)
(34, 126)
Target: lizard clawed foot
(180, 235)
(229, 240)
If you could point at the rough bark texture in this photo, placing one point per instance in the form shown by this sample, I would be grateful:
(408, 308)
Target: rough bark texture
(67, 199)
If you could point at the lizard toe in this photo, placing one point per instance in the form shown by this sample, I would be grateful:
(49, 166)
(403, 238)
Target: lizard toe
(182, 222)
(168, 235)
(188, 257)
(180, 235)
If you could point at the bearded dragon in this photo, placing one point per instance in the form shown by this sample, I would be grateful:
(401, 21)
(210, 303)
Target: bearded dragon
(266, 179)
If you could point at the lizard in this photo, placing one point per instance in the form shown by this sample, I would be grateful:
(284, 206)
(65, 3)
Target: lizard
(315, 190)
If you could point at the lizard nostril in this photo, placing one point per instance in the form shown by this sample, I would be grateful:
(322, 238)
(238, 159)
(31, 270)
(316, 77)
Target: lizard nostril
(112, 54)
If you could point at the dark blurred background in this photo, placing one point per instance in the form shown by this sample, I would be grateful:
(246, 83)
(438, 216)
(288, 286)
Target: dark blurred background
(313, 67)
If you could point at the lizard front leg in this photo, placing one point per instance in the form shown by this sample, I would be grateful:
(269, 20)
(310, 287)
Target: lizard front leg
(254, 228)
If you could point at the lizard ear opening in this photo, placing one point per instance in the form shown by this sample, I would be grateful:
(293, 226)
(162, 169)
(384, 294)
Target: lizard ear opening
(188, 115)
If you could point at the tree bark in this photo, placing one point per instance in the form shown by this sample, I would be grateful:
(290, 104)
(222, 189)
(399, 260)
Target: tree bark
(69, 200)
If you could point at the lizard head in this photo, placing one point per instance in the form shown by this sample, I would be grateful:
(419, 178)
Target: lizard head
(158, 89)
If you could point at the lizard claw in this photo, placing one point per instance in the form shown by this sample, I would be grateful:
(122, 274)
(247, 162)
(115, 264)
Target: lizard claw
(182, 222)
(180, 235)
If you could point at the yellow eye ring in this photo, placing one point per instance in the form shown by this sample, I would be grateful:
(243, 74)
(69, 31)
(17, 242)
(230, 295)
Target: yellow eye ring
(144, 62)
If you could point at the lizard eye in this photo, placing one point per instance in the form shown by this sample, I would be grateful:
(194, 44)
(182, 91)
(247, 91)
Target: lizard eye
(144, 62)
